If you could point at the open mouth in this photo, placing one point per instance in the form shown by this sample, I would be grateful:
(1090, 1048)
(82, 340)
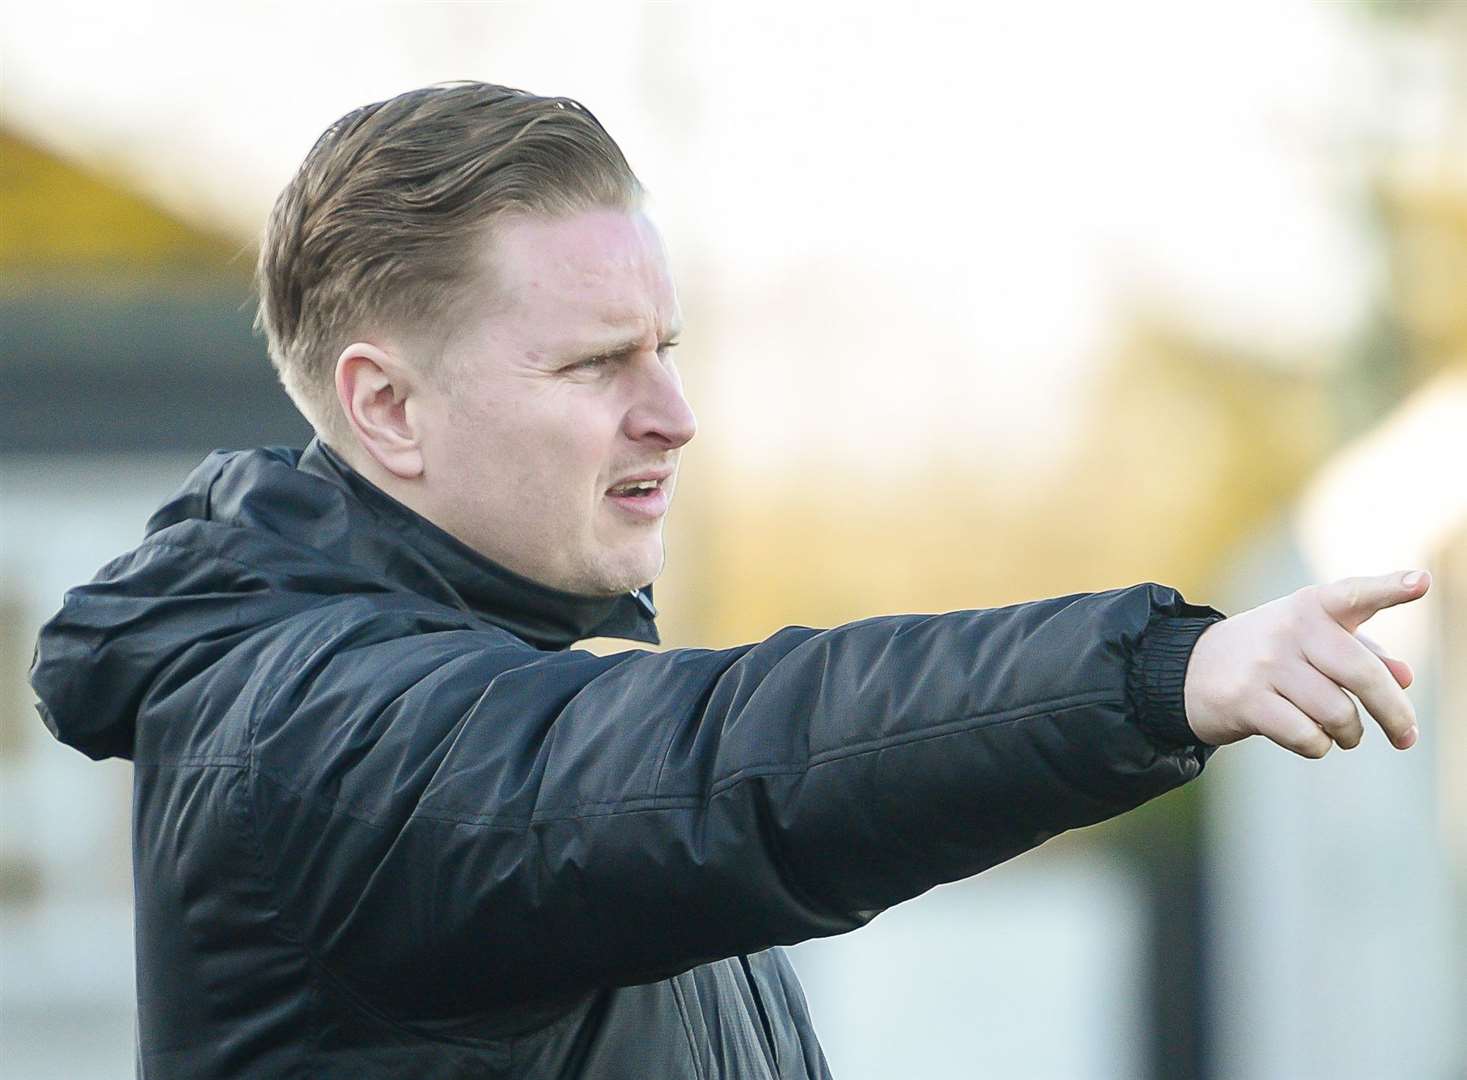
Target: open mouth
(636, 489)
(644, 499)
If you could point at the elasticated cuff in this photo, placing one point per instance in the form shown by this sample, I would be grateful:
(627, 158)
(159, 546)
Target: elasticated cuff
(1158, 674)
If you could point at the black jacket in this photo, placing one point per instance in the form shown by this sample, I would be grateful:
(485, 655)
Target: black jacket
(387, 825)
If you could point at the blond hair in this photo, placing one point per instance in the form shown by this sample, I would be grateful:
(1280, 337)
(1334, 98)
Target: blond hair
(383, 224)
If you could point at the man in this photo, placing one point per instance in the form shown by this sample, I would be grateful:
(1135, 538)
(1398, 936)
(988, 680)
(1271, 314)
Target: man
(387, 823)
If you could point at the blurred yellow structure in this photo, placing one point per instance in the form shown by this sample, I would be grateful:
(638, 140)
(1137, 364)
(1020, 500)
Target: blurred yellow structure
(67, 226)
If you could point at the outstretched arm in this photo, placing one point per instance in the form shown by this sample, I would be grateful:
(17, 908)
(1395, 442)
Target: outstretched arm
(495, 827)
(491, 826)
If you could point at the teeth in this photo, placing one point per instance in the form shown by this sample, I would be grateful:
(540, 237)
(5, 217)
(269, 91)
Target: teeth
(640, 485)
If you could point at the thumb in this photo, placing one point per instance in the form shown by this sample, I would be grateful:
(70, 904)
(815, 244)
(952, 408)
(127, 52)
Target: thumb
(1350, 601)
(1399, 669)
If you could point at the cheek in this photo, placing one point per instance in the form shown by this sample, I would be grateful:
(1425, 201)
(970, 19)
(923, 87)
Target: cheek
(551, 449)
(490, 451)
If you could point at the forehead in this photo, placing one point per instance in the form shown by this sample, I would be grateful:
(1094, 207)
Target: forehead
(584, 271)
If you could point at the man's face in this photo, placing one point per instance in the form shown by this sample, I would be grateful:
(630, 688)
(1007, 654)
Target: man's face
(559, 389)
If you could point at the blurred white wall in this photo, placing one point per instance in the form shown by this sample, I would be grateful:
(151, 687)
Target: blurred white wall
(66, 952)
(1339, 915)
(1031, 971)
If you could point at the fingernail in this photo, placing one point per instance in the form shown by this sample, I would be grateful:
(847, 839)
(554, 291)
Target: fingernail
(1413, 579)
(1409, 739)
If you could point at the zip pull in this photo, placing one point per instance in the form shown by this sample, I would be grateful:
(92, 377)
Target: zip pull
(644, 601)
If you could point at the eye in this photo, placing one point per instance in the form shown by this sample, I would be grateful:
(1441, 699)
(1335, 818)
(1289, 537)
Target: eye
(666, 347)
(593, 363)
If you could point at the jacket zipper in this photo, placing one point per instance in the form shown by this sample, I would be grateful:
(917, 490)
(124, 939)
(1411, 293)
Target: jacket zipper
(763, 1016)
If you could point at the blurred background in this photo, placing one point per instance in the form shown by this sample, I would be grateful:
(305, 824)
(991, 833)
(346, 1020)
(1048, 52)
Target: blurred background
(985, 303)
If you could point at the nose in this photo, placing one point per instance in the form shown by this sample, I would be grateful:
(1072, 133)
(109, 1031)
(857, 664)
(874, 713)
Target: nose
(660, 413)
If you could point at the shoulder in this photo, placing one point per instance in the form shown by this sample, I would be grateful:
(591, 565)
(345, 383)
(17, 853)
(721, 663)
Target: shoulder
(353, 692)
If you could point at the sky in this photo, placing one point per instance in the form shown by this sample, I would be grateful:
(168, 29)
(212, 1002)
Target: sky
(934, 216)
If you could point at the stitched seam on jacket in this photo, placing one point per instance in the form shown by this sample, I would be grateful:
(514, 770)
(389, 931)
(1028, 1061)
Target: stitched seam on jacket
(238, 761)
(1002, 716)
(322, 972)
(674, 728)
(149, 545)
(643, 804)
(682, 1010)
(279, 924)
(334, 806)
(637, 803)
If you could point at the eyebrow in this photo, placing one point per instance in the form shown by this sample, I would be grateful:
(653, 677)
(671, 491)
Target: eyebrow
(627, 343)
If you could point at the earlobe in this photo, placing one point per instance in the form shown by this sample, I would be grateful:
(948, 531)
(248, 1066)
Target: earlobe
(373, 388)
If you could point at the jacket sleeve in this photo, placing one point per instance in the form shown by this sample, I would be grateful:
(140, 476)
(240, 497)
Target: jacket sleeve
(453, 822)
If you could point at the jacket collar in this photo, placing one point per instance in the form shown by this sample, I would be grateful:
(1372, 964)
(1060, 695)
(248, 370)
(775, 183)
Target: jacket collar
(418, 555)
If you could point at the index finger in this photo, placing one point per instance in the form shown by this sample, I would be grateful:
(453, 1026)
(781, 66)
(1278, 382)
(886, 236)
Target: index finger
(1399, 669)
(1350, 601)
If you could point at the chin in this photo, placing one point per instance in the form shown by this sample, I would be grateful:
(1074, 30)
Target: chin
(631, 572)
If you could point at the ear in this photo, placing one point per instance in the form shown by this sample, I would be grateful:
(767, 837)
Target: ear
(374, 389)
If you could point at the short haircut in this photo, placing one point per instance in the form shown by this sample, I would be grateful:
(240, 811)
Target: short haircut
(383, 225)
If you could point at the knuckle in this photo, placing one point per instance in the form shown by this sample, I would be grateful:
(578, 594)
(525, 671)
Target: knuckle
(1284, 636)
(1266, 669)
(1303, 604)
(1306, 619)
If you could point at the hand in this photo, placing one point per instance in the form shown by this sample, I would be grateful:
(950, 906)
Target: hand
(1281, 670)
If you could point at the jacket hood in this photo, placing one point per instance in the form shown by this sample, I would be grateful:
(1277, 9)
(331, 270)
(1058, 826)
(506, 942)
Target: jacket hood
(252, 537)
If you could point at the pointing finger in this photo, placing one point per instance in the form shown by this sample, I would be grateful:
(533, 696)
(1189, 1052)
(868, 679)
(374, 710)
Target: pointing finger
(1401, 670)
(1350, 601)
